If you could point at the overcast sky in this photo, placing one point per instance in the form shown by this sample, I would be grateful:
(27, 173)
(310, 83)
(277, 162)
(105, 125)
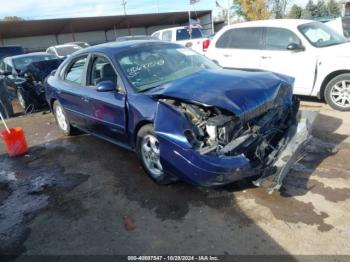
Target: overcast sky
(41, 9)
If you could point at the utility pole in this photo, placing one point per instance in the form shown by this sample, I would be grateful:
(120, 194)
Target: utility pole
(228, 11)
(124, 6)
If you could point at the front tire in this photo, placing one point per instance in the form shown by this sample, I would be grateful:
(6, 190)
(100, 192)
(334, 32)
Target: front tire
(148, 152)
(22, 99)
(61, 118)
(337, 92)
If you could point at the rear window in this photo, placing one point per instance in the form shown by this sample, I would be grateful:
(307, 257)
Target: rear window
(67, 50)
(186, 34)
(241, 38)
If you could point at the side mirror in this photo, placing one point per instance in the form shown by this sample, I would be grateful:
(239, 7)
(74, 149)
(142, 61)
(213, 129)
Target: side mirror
(295, 47)
(106, 86)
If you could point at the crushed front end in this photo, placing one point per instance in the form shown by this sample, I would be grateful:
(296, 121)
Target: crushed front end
(210, 146)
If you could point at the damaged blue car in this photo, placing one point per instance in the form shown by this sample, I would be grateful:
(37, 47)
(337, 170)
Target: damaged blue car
(185, 117)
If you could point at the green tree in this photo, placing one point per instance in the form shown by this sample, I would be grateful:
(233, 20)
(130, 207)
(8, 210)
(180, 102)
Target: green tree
(13, 18)
(253, 9)
(321, 9)
(333, 8)
(309, 10)
(295, 12)
(279, 8)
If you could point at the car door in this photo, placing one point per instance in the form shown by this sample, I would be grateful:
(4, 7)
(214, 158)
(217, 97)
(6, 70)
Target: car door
(107, 115)
(72, 92)
(297, 63)
(239, 48)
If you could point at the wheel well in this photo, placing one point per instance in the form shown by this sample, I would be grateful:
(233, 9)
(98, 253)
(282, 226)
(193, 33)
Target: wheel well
(137, 129)
(51, 103)
(328, 79)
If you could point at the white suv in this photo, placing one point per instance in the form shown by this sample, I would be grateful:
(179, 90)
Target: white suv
(311, 52)
(188, 37)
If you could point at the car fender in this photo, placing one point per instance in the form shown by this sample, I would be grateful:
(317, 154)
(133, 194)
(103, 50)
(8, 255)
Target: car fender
(179, 158)
(327, 65)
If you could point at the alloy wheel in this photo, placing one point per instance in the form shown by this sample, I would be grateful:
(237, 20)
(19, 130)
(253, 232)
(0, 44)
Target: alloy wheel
(61, 118)
(151, 155)
(340, 94)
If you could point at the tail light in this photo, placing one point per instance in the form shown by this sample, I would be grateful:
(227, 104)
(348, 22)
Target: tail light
(206, 44)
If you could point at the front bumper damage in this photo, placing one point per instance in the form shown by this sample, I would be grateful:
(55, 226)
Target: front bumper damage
(179, 158)
(298, 136)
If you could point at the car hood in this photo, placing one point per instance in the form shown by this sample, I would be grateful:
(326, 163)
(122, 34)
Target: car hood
(40, 70)
(246, 94)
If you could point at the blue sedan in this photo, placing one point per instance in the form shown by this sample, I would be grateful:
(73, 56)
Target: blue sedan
(185, 117)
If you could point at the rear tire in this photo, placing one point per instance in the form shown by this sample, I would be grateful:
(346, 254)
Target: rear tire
(337, 92)
(148, 152)
(61, 118)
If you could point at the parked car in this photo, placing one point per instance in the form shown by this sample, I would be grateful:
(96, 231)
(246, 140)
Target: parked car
(184, 116)
(24, 75)
(62, 51)
(81, 44)
(191, 37)
(6, 51)
(135, 37)
(6, 108)
(314, 54)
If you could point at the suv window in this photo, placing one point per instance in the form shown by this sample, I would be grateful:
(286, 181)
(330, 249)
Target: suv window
(167, 35)
(75, 72)
(280, 38)
(184, 34)
(241, 38)
(102, 70)
(157, 35)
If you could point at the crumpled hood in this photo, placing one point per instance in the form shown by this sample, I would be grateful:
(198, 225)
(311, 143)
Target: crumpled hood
(243, 93)
(40, 70)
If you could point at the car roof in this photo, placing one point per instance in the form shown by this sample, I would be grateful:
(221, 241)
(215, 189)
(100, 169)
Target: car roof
(285, 23)
(112, 47)
(29, 54)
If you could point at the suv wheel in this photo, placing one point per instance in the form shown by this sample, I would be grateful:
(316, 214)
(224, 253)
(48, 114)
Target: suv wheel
(337, 92)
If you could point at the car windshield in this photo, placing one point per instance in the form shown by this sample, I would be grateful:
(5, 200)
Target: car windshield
(152, 66)
(186, 34)
(320, 35)
(21, 62)
(67, 50)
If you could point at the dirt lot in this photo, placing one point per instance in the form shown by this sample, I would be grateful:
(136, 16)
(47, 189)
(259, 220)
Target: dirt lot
(73, 195)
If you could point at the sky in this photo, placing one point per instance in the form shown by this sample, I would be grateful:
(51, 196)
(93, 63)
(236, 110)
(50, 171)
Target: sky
(45, 9)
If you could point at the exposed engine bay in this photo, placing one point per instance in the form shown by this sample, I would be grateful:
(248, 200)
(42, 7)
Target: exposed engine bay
(215, 131)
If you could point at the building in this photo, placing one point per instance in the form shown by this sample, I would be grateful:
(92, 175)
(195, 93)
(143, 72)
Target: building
(37, 35)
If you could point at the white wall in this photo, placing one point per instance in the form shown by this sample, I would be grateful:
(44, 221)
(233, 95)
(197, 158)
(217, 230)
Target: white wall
(37, 42)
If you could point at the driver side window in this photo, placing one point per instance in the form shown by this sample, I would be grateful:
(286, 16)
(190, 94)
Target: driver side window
(102, 70)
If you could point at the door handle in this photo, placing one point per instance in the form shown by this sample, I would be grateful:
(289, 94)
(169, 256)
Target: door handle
(227, 55)
(265, 57)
